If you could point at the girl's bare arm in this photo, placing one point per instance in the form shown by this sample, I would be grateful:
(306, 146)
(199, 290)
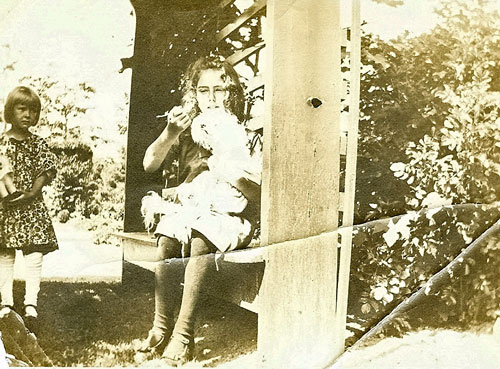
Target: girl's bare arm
(36, 189)
(178, 121)
(157, 151)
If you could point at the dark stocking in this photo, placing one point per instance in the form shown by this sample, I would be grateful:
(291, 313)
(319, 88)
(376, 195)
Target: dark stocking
(168, 273)
(194, 278)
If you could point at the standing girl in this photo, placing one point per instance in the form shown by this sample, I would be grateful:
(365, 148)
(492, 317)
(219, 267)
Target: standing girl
(211, 210)
(24, 221)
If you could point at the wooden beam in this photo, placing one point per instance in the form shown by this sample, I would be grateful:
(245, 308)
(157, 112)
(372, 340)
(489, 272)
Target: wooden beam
(218, 9)
(224, 3)
(241, 55)
(344, 42)
(246, 15)
(343, 143)
(300, 195)
(251, 255)
(341, 201)
(352, 135)
(142, 237)
(255, 83)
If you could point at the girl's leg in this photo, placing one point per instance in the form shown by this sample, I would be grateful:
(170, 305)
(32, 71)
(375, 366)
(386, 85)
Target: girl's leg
(167, 269)
(166, 273)
(198, 265)
(33, 271)
(7, 258)
(180, 347)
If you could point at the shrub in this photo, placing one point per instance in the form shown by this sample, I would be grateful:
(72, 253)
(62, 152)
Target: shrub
(104, 209)
(72, 187)
(393, 258)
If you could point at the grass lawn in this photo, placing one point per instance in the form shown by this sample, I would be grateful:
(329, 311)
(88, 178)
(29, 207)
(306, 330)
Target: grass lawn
(102, 324)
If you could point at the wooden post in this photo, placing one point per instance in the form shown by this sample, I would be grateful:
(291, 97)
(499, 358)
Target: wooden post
(301, 146)
(301, 184)
(296, 327)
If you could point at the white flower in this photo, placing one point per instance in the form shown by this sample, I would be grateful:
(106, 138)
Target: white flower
(379, 293)
(433, 200)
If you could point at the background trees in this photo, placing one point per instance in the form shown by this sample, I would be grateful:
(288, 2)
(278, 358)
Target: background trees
(430, 112)
(429, 136)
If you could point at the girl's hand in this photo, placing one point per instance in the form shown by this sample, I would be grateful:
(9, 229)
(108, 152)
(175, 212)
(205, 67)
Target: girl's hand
(178, 121)
(169, 194)
(7, 186)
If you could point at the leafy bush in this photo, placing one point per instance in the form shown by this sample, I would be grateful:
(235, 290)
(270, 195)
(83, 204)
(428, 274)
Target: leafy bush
(429, 134)
(430, 113)
(71, 189)
(63, 216)
(393, 258)
(88, 189)
(104, 210)
(463, 296)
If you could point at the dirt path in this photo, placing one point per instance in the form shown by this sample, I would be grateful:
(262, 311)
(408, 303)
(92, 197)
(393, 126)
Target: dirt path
(441, 349)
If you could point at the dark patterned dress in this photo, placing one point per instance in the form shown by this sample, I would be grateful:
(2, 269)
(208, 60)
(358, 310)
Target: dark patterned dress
(28, 226)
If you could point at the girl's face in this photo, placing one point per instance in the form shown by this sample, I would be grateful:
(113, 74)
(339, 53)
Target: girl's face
(211, 90)
(23, 117)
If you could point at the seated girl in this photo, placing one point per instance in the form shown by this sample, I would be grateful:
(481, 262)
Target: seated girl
(210, 210)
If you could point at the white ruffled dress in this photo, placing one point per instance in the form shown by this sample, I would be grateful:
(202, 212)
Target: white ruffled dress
(6, 184)
(210, 203)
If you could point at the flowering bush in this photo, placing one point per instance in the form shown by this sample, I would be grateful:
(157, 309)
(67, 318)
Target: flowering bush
(429, 134)
(104, 209)
(393, 258)
(461, 161)
(429, 114)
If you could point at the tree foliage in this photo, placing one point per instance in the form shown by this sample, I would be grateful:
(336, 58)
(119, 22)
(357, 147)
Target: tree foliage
(459, 158)
(61, 106)
(429, 134)
(430, 109)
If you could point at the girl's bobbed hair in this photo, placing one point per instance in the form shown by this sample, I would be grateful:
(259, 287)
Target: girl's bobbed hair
(21, 95)
(235, 103)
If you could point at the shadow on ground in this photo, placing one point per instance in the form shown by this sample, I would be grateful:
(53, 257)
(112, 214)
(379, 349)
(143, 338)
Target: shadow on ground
(102, 324)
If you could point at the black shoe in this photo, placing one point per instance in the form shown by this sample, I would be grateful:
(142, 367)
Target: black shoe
(30, 320)
(155, 342)
(179, 351)
(31, 324)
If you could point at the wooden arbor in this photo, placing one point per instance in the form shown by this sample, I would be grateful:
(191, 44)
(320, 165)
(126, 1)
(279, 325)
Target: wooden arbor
(308, 175)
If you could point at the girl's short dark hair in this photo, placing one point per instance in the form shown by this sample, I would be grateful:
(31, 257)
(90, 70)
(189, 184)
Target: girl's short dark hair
(21, 95)
(236, 100)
